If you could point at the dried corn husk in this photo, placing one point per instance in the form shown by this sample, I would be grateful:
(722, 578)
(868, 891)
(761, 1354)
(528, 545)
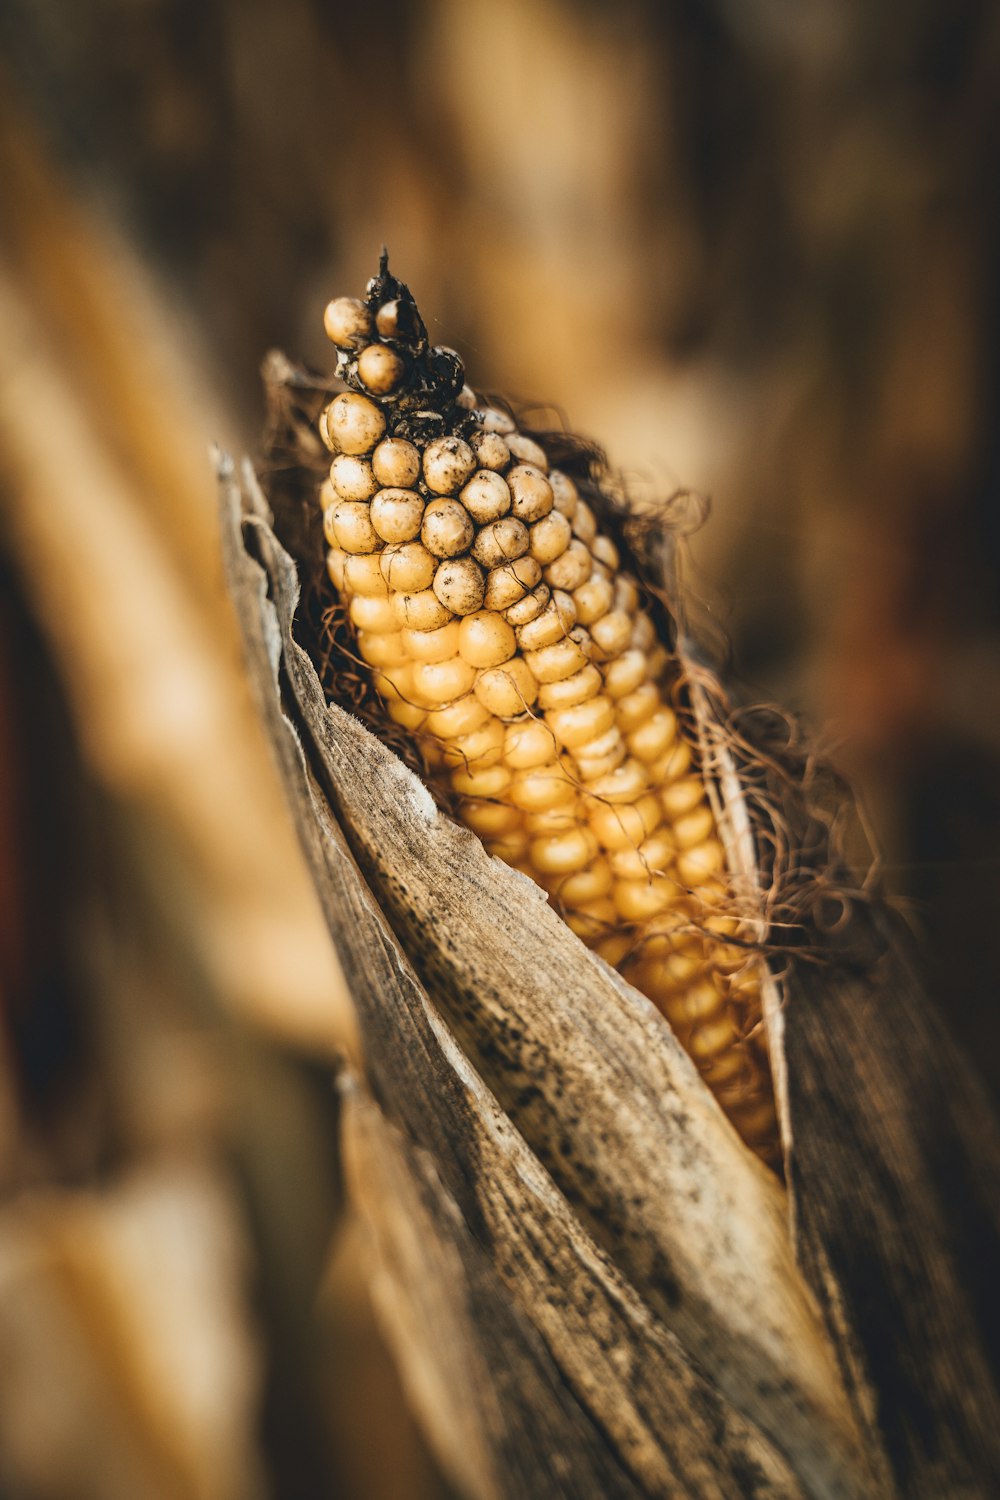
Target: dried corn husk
(592, 1286)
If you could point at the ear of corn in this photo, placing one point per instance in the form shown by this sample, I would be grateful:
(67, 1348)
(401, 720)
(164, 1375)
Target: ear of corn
(503, 632)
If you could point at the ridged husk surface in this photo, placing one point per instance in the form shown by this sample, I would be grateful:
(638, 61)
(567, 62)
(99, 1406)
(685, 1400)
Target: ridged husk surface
(592, 1287)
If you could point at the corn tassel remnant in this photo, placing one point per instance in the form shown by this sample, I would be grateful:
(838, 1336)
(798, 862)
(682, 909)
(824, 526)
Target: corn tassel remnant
(502, 631)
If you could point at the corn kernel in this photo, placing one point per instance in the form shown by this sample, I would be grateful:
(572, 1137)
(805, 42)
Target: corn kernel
(507, 690)
(459, 584)
(449, 463)
(380, 369)
(446, 529)
(407, 567)
(486, 640)
(354, 423)
(486, 496)
(396, 463)
(352, 477)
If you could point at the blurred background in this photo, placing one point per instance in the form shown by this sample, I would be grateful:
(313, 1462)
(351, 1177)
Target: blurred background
(752, 248)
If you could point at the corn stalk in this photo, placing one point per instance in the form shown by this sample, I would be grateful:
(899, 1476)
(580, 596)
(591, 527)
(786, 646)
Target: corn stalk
(591, 1285)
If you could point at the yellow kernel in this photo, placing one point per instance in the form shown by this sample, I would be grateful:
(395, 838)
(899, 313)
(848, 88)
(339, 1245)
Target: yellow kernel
(590, 767)
(512, 848)
(362, 575)
(683, 796)
(480, 747)
(581, 722)
(564, 493)
(327, 495)
(380, 369)
(459, 718)
(447, 528)
(352, 528)
(672, 765)
(529, 742)
(431, 645)
(506, 690)
(382, 649)
(614, 947)
(459, 584)
(491, 419)
(586, 885)
(652, 857)
(396, 463)
(657, 661)
(591, 919)
(694, 828)
(528, 451)
(352, 477)
(572, 568)
(603, 550)
(480, 781)
(678, 973)
(449, 463)
(643, 633)
(563, 853)
(394, 683)
(397, 514)
(654, 738)
(395, 319)
(553, 820)
(437, 683)
(639, 900)
(581, 687)
(611, 633)
(324, 432)
(528, 608)
(354, 423)
(550, 537)
(623, 675)
(490, 819)
(698, 865)
(421, 611)
(530, 492)
(486, 496)
(336, 557)
(711, 1038)
(584, 525)
(593, 599)
(624, 785)
(346, 320)
(509, 583)
(561, 659)
(626, 591)
(636, 707)
(500, 541)
(553, 623)
(409, 715)
(542, 789)
(376, 615)
(628, 824)
(490, 450)
(486, 640)
(407, 567)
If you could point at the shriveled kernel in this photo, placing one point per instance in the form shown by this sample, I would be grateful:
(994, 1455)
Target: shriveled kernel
(564, 492)
(380, 369)
(362, 575)
(581, 722)
(352, 477)
(530, 492)
(458, 718)
(527, 743)
(407, 567)
(486, 640)
(421, 611)
(542, 789)
(593, 599)
(486, 496)
(336, 557)
(459, 584)
(550, 537)
(507, 690)
(480, 781)
(584, 524)
(618, 827)
(490, 450)
(437, 683)
(654, 738)
(554, 622)
(432, 645)
(623, 675)
(611, 633)
(380, 649)
(530, 607)
(562, 854)
(396, 514)
(579, 688)
(376, 615)
(447, 528)
(354, 423)
(698, 865)
(552, 663)
(509, 582)
(347, 321)
(449, 463)
(500, 541)
(396, 463)
(571, 568)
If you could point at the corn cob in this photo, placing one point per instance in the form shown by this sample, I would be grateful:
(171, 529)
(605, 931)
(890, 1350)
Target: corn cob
(503, 633)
